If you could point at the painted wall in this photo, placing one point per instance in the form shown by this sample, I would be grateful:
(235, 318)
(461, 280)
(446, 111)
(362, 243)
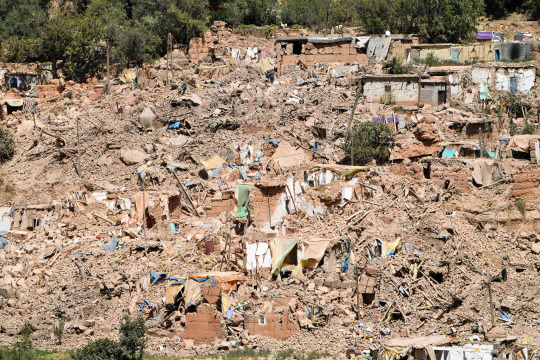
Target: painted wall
(500, 78)
(461, 53)
(404, 93)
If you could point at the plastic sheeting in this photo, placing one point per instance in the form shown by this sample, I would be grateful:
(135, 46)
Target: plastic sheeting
(448, 153)
(226, 280)
(521, 142)
(258, 256)
(281, 247)
(242, 196)
(312, 253)
(482, 173)
(5, 220)
(388, 248)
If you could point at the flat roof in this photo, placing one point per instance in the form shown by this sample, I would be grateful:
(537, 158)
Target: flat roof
(317, 40)
(390, 77)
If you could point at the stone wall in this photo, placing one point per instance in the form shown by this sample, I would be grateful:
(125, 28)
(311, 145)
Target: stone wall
(312, 53)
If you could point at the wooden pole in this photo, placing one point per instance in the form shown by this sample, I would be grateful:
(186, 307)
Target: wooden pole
(169, 57)
(186, 195)
(108, 77)
(349, 125)
(269, 208)
(491, 304)
(143, 206)
(78, 148)
(480, 138)
(357, 298)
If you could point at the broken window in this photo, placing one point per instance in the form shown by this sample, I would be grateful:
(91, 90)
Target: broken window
(262, 320)
(297, 48)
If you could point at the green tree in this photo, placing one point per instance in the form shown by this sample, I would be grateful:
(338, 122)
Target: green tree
(132, 336)
(252, 12)
(448, 20)
(498, 9)
(21, 18)
(7, 145)
(84, 52)
(134, 45)
(370, 141)
(101, 349)
(532, 7)
(54, 38)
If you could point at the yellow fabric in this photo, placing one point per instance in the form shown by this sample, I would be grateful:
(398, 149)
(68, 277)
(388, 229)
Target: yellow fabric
(171, 292)
(225, 302)
(392, 353)
(280, 249)
(389, 248)
(214, 162)
(267, 64)
(314, 251)
(193, 293)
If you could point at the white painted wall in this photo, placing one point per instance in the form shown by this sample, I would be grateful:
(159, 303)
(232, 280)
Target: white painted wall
(525, 78)
(402, 91)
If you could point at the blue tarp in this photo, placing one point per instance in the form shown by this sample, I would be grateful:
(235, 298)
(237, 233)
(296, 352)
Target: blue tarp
(345, 266)
(215, 172)
(448, 153)
(176, 125)
(3, 242)
(214, 281)
(112, 244)
(157, 277)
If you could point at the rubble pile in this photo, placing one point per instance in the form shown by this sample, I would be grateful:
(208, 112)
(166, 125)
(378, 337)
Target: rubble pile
(210, 195)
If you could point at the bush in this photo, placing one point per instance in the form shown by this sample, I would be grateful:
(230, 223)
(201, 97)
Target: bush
(528, 128)
(101, 349)
(7, 145)
(520, 205)
(58, 330)
(22, 350)
(370, 141)
(132, 336)
(397, 67)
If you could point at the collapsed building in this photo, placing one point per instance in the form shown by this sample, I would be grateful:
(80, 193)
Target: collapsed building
(218, 205)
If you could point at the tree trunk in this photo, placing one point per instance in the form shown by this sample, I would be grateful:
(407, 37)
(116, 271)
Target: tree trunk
(53, 67)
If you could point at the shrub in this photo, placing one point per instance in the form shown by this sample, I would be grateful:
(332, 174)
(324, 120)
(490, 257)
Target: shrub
(528, 128)
(101, 349)
(23, 349)
(132, 336)
(397, 67)
(370, 141)
(520, 205)
(7, 145)
(58, 330)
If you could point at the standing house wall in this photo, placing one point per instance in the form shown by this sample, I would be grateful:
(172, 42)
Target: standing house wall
(316, 52)
(429, 93)
(525, 79)
(500, 78)
(467, 53)
(404, 92)
(513, 51)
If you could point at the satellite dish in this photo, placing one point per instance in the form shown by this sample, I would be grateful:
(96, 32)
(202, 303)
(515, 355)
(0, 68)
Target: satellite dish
(388, 33)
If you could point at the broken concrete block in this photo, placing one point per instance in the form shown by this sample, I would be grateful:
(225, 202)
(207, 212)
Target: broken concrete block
(146, 119)
(132, 157)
